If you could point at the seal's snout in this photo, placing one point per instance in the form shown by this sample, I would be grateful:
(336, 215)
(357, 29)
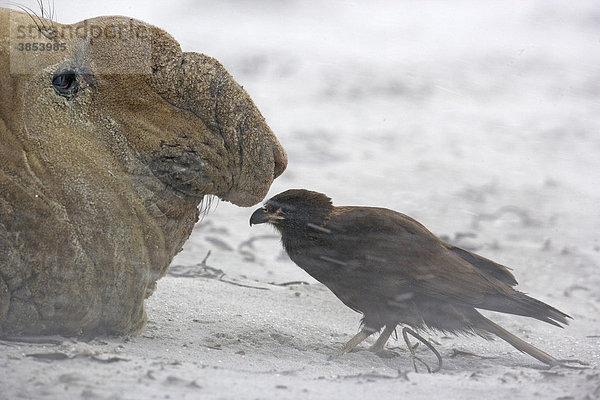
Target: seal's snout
(280, 161)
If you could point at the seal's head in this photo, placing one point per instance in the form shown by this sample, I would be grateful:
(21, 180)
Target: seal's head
(110, 137)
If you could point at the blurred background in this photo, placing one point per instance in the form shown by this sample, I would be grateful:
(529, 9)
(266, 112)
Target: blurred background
(479, 119)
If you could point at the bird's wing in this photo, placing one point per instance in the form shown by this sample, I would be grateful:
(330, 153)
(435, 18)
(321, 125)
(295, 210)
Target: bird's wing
(406, 255)
(485, 265)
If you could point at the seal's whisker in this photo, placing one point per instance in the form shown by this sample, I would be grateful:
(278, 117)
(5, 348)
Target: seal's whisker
(47, 11)
(38, 20)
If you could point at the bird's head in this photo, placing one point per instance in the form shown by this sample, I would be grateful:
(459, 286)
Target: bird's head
(295, 209)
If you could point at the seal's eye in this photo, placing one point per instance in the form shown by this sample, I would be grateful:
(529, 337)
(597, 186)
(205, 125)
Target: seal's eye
(65, 83)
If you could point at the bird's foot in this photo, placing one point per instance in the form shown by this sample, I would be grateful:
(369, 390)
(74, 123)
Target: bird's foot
(412, 349)
(352, 343)
(379, 345)
(565, 364)
(415, 359)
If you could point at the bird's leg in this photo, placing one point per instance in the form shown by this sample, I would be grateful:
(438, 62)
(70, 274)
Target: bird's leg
(565, 363)
(382, 339)
(405, 332)
(352, 343)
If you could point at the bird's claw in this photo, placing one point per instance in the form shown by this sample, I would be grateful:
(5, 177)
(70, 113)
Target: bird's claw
(351, 344)
(412, 348)
(415, 359)
(565, 364)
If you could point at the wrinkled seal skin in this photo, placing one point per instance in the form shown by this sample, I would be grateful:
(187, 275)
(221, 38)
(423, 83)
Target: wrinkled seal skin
(99, 191)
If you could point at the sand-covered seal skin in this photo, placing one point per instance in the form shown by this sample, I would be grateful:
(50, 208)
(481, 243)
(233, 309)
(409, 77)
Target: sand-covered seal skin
(108, 143)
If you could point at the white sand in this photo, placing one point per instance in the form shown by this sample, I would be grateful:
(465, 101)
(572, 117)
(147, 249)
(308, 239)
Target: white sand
(480, 119)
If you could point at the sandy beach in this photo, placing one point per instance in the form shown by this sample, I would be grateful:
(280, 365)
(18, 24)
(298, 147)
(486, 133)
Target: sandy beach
(479, 119)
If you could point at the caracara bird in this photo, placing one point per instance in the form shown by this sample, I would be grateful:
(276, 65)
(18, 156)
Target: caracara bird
(391, 269)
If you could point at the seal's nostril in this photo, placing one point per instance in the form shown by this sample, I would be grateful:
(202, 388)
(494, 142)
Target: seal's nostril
(280, 161)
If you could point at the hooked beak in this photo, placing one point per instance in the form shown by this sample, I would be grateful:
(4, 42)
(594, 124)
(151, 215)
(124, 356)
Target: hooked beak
(259, 216)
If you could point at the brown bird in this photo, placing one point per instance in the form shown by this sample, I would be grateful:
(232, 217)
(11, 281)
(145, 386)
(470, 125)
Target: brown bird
(390, 268)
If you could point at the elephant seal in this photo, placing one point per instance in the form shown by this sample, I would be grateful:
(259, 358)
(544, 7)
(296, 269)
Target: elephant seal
(110, 137)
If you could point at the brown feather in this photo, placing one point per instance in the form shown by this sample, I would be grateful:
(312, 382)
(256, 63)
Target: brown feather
(393, 270)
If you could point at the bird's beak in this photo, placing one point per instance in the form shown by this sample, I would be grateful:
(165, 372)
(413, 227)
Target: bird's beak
(259, 216)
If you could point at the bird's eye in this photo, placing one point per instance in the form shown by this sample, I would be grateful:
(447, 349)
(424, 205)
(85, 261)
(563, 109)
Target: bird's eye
(65, 83)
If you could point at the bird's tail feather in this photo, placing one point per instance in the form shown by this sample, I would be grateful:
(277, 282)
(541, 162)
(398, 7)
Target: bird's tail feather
(517, 343)
(521, 304)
